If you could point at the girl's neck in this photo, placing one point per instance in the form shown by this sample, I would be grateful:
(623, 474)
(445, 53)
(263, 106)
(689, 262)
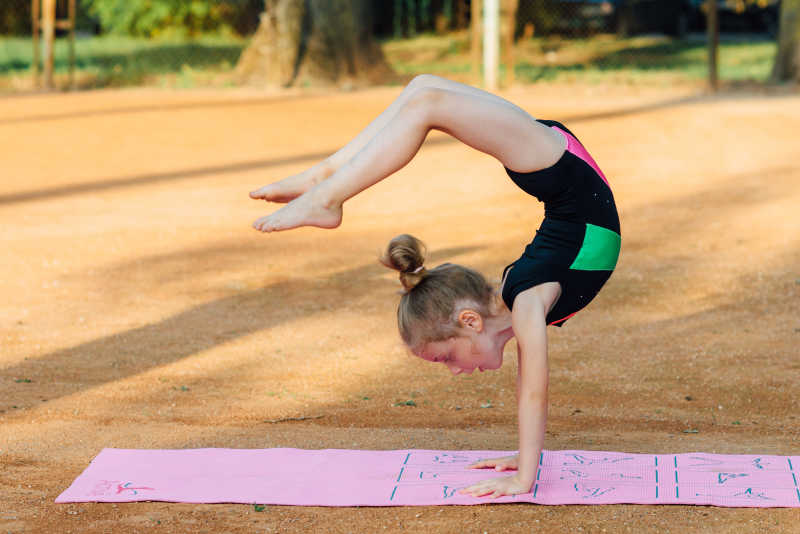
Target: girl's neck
(500, 326)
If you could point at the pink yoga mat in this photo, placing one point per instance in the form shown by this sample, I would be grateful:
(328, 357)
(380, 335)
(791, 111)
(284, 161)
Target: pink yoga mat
(338, 477)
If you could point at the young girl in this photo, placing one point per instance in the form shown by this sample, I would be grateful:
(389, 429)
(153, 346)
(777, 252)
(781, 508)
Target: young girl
(451, 314)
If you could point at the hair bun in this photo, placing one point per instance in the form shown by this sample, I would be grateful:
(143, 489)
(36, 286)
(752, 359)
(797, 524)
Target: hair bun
(406, 253)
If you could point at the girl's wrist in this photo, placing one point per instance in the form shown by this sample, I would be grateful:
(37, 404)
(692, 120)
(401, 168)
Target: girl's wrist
(524, 477)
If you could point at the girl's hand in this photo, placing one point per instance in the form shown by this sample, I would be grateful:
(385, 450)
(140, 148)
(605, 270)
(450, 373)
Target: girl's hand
(499, 464)
(497, 487)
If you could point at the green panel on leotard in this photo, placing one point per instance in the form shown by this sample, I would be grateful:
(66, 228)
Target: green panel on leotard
(599, 251)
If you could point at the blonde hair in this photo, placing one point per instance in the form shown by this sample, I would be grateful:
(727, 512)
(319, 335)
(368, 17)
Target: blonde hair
(427, 308)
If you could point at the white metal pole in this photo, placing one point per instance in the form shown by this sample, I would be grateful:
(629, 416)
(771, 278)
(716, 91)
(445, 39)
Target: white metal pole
(491, 43)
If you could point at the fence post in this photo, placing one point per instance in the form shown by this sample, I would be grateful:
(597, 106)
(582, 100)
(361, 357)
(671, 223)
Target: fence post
(48, 35)
(71, 15)
(511, 20)
(475, 44)
(713, 43)
(36, 53)
(491, 42)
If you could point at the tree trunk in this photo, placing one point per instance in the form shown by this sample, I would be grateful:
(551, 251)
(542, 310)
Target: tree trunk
(314, 42)
(787, 59)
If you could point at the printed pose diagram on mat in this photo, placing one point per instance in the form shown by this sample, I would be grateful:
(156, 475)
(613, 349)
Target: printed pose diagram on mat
(593, 476)
(450, 314)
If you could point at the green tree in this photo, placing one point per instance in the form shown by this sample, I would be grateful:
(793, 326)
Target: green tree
(151, 18)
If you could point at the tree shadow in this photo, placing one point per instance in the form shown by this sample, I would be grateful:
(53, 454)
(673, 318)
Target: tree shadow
(181, 106)
(112, 183)
(117, 356)
(686, 219)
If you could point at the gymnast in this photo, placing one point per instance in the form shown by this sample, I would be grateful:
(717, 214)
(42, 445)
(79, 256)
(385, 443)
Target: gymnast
(450, 314)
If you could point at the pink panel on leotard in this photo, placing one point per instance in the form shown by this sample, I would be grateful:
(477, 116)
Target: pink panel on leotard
(574, 146)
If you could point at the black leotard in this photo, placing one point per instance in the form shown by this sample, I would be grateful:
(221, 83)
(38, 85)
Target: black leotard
(578, 241)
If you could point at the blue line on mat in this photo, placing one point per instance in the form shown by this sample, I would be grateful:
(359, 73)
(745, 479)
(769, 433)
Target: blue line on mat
(791, 468)
(535, 489)
(392, 497)
(675, 461)
(401, 474)
(656, 459)
(407, 457)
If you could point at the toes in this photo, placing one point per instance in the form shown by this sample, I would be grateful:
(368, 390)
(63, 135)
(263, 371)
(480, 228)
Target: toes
(260, 192)
(262, 224)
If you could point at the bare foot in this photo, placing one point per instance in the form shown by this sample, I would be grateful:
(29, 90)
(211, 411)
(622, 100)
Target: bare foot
(308, 209)
(292, 187)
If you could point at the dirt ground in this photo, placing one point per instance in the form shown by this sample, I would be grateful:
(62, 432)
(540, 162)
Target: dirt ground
(140, 310)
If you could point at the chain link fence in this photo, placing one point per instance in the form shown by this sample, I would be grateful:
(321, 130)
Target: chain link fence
(198, 42)
(663, 41)
(112, 43)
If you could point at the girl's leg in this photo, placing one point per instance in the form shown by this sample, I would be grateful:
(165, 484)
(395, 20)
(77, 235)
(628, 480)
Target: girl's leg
(486, 124)
(293, 186)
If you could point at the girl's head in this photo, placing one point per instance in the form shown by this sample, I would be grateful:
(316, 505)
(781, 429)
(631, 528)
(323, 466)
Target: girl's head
(440, 306)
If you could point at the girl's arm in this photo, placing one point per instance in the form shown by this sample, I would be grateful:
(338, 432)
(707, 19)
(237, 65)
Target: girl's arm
(528, 321)
(528, 318)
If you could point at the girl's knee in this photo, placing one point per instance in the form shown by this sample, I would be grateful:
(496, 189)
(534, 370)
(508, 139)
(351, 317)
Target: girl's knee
(425, 99)
(422, 81)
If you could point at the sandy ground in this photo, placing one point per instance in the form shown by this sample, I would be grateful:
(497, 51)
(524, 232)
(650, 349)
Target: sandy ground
(140, 310)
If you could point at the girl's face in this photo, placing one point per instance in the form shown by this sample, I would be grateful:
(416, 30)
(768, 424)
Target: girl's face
(464, 354)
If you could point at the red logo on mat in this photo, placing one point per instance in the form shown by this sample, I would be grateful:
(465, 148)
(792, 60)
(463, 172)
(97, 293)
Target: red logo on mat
(128, 487)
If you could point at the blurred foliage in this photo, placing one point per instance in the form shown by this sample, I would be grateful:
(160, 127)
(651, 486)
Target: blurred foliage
(392, 18)
(144, 18)
(409, 18)
(15, 17)
(175, 18)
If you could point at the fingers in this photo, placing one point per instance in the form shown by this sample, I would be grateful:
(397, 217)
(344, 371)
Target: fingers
(489, 464)
(476, 491)
(485, 488)
(484, 492)
(500, 464)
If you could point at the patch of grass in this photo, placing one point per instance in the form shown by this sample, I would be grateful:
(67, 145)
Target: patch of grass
(601, 58)
(112, 61)
(115, 61)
